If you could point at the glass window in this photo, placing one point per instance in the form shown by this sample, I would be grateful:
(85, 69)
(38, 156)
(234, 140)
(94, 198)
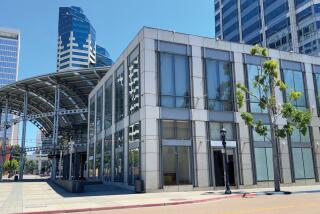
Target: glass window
(215, 128)
(263, 155)
(134, 153)
(119, 156)
(219, 85)
(174, 80)
(92, 113)
(264, 164)
(252, 72)
(176, 165)
(98, 158)
(133, 81)
(317, 88)
(298, 137)
(99, 111)
(119, 98)
(175, 130)
(108, 103)
(303, 163)
(295, 81)
(91, 159)
(107, 158)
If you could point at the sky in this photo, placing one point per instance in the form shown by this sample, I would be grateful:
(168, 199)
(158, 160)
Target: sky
(116, 23)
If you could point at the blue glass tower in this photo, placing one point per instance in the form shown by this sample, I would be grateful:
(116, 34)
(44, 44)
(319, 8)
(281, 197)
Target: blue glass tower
(102, 57)
(76, 39)
(289, 25)
(9, 59)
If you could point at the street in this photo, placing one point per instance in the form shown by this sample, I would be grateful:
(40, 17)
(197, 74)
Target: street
(294, 204)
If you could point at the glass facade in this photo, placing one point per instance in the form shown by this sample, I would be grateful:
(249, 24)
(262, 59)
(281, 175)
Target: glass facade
(9, 59)
(119, 156)
(91, 136)
(134, 81)
(215, 127)
(263, 156)
(176, 152)
(252, 72)
(77, 41)
(107, 158)
(219, 85)
(134, 153)
(174, 81)
(295, 81)
(302, 155)
(108, 103)
(119, 93)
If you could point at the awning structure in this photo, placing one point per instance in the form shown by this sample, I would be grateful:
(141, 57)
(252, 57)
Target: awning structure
(74, 87)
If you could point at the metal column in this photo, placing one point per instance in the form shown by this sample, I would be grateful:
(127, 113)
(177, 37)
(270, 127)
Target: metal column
(4, 144)
(23, 141)
(55, 130)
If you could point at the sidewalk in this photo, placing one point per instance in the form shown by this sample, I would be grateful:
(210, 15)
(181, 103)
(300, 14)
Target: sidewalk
(40, 197)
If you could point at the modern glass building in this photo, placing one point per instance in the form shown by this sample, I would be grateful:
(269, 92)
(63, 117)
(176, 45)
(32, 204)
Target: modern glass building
(157, 113)
(290, 25)
(102, 57)
(76, 41)
(9, 62)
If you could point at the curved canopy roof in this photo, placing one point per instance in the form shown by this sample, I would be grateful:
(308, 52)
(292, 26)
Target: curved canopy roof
(75, 86)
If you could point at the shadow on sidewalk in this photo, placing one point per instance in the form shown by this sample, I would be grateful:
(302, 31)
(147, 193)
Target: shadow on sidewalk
(91, 190)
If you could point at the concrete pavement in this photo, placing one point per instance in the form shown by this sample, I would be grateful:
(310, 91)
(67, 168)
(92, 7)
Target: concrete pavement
(42, 197)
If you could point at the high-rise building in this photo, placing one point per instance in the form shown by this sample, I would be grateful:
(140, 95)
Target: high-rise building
(102, 57)
(9, 60)
(289, 25)
(76, 40)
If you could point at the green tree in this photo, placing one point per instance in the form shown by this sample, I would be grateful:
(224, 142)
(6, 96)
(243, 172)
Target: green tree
(11, 165)
(268, 82)
(30, 166)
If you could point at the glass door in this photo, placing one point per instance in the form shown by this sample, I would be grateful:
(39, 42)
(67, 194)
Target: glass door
(176, 165)
(218, 167)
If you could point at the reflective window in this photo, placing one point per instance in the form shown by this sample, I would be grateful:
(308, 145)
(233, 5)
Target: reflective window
(108, 103)
(176, 165)
(176, 129)
(303, 163)
(215, 127)
(99, 110)
(263, 156)
(92, 113)
(119, 98)
(134, 81)
(98, 158)
(295, 81)
(119, 156)
(174, 80)
(252, 72)
(134, 153)
(107, 158)
(91, 159)
(264, 164)
(219, 85)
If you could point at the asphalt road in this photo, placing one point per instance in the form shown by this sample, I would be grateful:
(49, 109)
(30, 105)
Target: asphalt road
(277, 204)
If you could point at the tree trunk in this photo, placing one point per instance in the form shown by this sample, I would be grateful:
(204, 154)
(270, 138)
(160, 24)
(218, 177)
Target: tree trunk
(272, 110)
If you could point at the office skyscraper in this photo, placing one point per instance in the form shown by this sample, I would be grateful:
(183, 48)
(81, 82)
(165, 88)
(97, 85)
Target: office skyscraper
(9, 60)
(76, 40)
(290, 25)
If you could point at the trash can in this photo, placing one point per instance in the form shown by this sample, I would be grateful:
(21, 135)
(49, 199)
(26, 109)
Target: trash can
(16, 177)
(138, 186)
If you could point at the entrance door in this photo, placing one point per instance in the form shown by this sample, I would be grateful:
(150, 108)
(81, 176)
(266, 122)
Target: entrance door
(218, 169)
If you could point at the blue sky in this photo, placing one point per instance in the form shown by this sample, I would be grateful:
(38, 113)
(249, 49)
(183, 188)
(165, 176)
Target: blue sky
(116, 23)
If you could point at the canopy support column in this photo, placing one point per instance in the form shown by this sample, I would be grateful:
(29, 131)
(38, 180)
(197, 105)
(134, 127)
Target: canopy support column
(55, 131)
(24, 132)
(4, 140)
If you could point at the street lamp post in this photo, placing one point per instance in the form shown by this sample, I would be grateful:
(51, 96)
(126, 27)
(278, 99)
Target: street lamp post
(225, 158)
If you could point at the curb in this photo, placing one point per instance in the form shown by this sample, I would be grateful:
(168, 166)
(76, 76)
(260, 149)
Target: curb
(140, 205)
